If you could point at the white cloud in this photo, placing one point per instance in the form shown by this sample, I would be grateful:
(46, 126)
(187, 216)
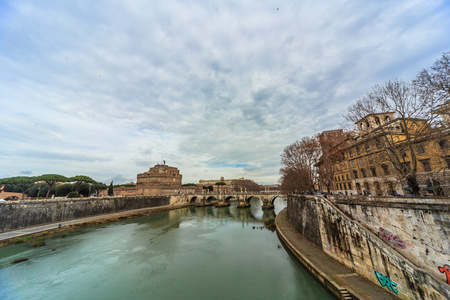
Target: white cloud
(105, 88)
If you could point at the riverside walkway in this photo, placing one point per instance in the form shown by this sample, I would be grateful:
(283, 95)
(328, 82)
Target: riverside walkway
(335, 276)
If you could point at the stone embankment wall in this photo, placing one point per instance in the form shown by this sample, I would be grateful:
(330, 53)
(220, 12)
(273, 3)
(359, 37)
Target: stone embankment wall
(373, 252)
(20, 214)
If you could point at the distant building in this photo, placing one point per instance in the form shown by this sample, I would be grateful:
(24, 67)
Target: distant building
(159, 180)
(271, 188)
(230, 185)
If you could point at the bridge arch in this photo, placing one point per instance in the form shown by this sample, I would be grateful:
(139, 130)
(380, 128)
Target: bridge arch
(273, 198)
(229, 198)
(210, 199)
(251, 197)
(193, 199)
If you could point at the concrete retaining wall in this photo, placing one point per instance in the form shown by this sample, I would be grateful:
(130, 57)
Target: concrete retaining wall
(358, 248)
(20, 214)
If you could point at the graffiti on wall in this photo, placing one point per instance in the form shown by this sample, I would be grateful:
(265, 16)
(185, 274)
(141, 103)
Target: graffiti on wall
(387, 282)
(393, 239)
(446, 269)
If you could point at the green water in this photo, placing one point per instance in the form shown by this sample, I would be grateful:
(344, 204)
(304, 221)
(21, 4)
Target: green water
(191, 253)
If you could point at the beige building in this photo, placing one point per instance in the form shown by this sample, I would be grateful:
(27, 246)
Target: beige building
(159, 180)
(365, 167)
(230, 185)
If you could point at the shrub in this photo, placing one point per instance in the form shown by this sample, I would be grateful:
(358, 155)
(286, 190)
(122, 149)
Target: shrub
(73, 194)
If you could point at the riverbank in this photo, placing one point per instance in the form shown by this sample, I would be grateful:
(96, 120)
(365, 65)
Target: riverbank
(337, 278)
(34, 235)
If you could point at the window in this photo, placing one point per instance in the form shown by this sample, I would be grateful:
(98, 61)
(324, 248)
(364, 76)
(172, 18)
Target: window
(349, 178)
(349, 186)
(361, 163)
(374, 171)
(340, 186)
(358, 150)
(406, 167)
(403, 153)
(420, 149)
(363, 173)
(337, 187)
(370, 158)
(443, 144)
(377, 121)
(378, 143)
(382, 156)
(426, 165)
(355, 174)
(353, 164)
(385, 169)
(350, 152)
(367, 124)
(345, 186)
(367, 145)
(387, 119)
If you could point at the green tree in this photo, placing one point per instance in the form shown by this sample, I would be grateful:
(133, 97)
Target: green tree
(22, 182)
(219, 183)
(98, 187)
(51, 180)
(111, 190)
(62, 190)
(79, 180)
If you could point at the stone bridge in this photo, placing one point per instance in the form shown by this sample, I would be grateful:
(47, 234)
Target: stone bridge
(220, 199)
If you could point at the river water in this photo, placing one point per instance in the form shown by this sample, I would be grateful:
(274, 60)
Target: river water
(190, 253)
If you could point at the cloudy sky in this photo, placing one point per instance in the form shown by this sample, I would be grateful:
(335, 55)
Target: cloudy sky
(215, 88)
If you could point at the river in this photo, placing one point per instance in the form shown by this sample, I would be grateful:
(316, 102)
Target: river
(189, 253)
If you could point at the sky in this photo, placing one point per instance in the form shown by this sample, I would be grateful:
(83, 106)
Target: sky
(109, 89)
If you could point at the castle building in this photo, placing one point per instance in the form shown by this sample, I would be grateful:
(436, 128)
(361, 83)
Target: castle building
(159, 180)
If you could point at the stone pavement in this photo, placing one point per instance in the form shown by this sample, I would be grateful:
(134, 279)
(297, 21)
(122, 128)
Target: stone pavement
(336, 277)
(45, 227)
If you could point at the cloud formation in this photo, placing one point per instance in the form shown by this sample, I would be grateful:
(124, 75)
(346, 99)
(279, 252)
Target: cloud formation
(219, 88)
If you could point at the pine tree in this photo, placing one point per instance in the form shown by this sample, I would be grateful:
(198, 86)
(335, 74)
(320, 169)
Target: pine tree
(111, 190)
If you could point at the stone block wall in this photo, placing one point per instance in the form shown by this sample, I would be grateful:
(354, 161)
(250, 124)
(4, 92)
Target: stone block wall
(357, 247)
(417, 228)
(20, 214)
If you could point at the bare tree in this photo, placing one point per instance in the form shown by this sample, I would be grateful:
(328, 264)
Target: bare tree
(245, 185)
(413, 117)
(434, 84)
(300, 159)
(331, 145)
(293, 180)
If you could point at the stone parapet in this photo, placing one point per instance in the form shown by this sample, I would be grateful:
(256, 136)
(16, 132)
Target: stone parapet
(21, 214)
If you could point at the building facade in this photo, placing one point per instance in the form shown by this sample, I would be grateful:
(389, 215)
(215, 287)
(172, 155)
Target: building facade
(376, 159)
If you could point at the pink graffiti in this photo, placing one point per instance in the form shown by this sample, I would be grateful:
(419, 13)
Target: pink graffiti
(391, 238)
(445, 269)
